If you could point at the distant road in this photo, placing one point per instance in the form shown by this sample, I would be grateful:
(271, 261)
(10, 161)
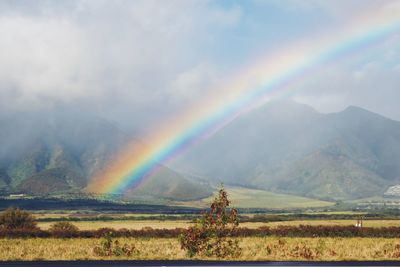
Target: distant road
(193, 263)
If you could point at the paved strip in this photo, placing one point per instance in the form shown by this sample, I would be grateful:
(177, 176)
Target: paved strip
(194, 263)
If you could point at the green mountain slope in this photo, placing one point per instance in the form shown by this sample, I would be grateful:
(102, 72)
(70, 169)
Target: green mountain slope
(283, 147)
(289, 147)
(324, 175)
(45, 154)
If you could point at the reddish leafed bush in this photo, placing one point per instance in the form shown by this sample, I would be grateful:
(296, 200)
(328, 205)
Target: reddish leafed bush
(110, 247)
(211, 236)
(281, 231)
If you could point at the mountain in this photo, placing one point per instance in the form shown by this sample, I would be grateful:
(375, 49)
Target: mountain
(283, 147)
(289, 147)
(55, 153)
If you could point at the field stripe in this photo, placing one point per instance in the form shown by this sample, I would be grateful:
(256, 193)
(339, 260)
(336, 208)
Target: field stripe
(173, 263)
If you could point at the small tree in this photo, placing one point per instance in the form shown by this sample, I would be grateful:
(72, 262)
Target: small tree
(212, 234)
(15, 218)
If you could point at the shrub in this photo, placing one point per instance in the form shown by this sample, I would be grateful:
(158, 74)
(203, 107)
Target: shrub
(15, 218)
(64, 229)
(211, 235)
(105, 231)
(109, 248)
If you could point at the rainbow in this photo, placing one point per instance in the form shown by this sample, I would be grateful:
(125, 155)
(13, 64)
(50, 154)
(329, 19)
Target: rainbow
(257, 83)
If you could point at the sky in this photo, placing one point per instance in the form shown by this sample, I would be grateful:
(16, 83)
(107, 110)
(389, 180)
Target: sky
(139, 63)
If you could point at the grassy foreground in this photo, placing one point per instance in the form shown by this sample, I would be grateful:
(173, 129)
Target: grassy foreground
(254, 248)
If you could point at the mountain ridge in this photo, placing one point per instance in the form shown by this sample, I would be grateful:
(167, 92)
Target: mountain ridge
(355, 145)
(282, 146)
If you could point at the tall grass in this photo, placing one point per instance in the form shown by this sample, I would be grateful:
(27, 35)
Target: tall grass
(280, 231)
(253, 248)
(119, 224)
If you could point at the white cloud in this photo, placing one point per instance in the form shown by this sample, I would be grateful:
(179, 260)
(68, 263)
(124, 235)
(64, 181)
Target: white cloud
(190, 84)
(40, 58)
(342, 9)
(139, 60)
(107, 55)
(360, 74)
(373, 85)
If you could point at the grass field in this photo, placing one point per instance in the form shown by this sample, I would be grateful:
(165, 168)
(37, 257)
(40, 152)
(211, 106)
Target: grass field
(254, 198)
(253, 248)
(366, 223)
(118, 224)
(97, 216)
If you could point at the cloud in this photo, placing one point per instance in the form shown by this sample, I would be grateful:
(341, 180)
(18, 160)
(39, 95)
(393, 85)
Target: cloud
(40, 59)
(373, 85)
(337, 8)
(368, 78)
(190, 83)
(112, 57)
(138, 62)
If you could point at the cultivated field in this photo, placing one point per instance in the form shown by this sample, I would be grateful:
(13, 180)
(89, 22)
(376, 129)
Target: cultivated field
(254, 198)
(139, 224)
(118, 224)
(254, 248)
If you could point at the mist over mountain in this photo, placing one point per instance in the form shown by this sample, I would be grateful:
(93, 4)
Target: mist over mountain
(43, 153)
(289, 147)
(282, 146)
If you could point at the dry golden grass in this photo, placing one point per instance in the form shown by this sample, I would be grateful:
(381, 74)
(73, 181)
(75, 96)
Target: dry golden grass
(118, 224)
(82, 249)
(254, 248)
(366, 223)
(328, 249)
(94, 215)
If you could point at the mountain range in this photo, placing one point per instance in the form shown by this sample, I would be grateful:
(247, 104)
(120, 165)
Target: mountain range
(291, 148)
(282, 146)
